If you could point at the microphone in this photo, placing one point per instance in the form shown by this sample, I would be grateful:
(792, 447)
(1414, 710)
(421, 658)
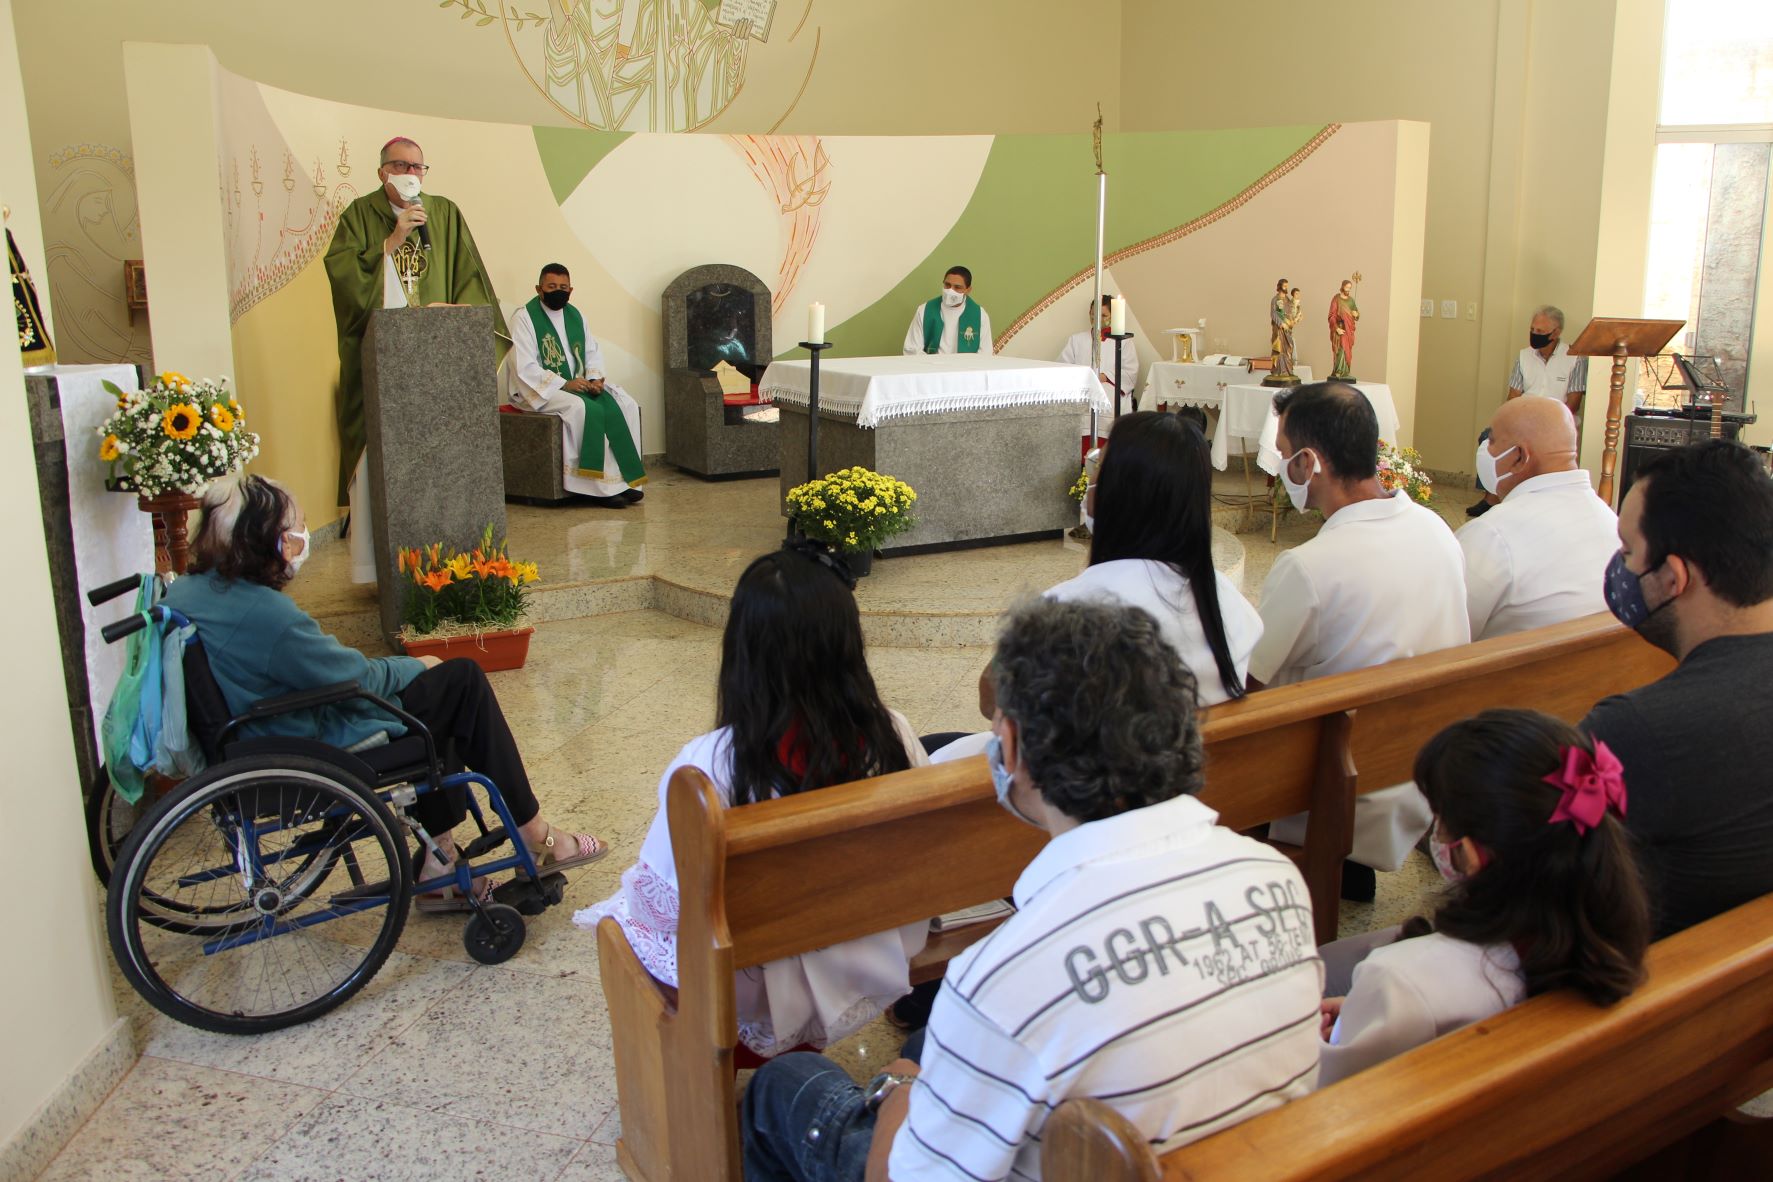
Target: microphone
(424, 230)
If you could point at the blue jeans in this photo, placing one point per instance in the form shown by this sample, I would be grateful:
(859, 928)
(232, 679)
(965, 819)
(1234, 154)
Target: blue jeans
(802, 1120)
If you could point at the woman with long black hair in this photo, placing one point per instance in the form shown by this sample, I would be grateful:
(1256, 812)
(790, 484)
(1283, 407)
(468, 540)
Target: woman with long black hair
(1152, 548)
(797, 710)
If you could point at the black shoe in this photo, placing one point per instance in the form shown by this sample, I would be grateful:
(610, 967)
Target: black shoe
(1479, 509)
(632, 495)
(615, 502)
(1359, 883)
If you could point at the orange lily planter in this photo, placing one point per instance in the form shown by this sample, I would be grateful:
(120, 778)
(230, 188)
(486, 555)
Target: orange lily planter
(492, 651)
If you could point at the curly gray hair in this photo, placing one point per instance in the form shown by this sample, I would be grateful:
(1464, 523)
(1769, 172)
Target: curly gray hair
(1104, 707)
(1551, 312)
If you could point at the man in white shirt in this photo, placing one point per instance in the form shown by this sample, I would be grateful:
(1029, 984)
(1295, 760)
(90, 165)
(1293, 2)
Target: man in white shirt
(1382, 580)
(1157, 961)
(1540, 557)
(1546, 368)
(950, 322)
(1079, 348)
(555, 367)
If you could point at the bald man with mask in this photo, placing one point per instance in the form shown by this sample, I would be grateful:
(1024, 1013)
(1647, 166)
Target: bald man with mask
(1537, 558)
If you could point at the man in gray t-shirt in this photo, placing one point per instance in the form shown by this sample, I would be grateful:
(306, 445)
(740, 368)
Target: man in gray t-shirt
(1694, 576)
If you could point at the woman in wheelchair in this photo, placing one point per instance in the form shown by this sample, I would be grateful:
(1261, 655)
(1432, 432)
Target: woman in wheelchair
(253, 540)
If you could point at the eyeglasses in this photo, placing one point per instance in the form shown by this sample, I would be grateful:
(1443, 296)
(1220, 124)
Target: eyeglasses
(403, 166)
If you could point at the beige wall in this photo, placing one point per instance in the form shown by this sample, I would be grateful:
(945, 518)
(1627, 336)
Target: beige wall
(1515, 92)
(19, 168)
(55, 995)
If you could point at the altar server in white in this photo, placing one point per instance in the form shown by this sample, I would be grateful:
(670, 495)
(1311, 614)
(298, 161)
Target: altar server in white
(1383, 580)
(1538, 558)
(950, 322)
(1079, 350)
(555, 367)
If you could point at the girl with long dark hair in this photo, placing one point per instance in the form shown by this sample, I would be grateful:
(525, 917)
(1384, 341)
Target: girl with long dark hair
(1152, 548)
(1543, 891)
(797, 710)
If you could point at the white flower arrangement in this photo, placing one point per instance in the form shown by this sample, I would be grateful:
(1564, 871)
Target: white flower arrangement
(176, 436)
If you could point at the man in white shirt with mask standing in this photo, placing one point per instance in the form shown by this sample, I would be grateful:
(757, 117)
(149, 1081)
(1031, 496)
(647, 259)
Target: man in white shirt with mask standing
(1080, 350)
(1546, 368)
(1382, 580)
(1540, 557)
(951, 322)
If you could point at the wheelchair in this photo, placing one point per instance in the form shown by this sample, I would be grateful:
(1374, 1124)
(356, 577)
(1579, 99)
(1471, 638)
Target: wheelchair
(270, 888)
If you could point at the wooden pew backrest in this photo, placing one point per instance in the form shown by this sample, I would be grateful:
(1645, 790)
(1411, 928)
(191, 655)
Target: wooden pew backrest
(1553, 1088)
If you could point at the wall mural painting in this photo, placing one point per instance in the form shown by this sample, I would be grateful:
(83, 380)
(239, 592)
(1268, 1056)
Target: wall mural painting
(90, 226)
(278, 227)
(637, 65)
(795, 171)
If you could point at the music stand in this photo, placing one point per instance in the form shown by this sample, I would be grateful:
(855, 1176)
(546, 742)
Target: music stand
(1620, 337)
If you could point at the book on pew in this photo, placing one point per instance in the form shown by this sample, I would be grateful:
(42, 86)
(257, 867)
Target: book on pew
(968, 916)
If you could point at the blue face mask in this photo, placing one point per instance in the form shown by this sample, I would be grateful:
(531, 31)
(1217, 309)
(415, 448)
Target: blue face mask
(1003, 781)
(1624, 593)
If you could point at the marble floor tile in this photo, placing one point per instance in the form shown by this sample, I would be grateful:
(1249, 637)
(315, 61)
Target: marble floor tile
(177, 1120)
(352, 1138)
(323, 1052)
(532, 1051)
(595, 1163)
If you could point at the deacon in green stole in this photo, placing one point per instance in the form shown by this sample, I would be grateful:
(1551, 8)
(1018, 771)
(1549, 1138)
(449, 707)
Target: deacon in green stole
(951, 322)
(555, 367)
(377, 260)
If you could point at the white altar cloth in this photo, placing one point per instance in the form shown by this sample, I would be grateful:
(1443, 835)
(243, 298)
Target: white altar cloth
(876, 390)
(1175, 383)
(1248, 417)
(112, 537)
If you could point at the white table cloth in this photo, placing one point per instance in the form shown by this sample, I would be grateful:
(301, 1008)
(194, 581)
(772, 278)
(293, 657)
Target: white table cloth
(1248, 417)
(880, 389)
(112, 538)
(1172, 383)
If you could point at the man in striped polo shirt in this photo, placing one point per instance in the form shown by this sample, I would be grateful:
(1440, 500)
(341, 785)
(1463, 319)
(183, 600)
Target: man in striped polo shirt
(1157, 961)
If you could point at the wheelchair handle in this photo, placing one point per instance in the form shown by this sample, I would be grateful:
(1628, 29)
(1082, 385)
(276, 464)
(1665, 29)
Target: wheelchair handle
(111, 591)
(117, 631)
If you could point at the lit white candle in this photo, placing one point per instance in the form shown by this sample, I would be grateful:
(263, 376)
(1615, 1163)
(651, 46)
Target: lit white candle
(815, 324)
(1117, 317)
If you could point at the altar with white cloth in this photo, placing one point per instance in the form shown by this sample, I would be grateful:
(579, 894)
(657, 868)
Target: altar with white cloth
(989, 442)
(1170, 384)
(1248, 417)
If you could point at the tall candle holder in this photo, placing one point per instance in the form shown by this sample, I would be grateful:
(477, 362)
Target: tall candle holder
(814, 348)
(1118, 338)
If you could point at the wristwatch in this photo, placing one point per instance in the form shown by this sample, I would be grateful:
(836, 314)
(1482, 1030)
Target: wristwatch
(880, 1087)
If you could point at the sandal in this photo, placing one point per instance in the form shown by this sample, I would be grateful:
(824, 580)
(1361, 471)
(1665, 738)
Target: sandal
(578, 850)
(450, 900)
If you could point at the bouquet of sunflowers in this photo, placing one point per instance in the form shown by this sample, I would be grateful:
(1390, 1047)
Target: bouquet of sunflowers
(464, 593)
(176, 436)
(855, 509)
(1401, 467)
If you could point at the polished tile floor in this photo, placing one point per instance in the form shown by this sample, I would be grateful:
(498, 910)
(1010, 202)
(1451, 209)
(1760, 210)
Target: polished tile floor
(442, 1068)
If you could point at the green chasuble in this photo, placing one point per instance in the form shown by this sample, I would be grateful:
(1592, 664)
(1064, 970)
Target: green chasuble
(603, 418)
(966, 332)
(453, 274)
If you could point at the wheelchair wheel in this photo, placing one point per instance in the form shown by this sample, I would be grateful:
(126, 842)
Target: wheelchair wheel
(215, 910)
(494, 934)
(109, 820)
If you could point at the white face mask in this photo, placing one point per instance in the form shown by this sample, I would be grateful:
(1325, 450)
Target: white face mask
(1296, 492)
(295, 564)
(1487, 475)
(1442, 853)
(406, 184)
(952, 298)
(1002, 781)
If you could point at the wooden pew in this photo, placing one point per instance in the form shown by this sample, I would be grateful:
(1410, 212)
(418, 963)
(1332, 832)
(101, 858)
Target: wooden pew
(787, 876)
(1554, 1088)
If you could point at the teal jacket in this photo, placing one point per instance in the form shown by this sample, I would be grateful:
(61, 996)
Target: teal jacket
(260, 645)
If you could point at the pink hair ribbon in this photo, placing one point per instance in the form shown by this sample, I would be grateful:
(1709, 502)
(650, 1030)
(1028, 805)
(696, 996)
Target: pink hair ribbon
(1591, 784)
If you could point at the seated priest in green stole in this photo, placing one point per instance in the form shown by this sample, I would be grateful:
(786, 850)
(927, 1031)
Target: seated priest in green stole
(556, 367)
(392, 249)
(952, 322)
